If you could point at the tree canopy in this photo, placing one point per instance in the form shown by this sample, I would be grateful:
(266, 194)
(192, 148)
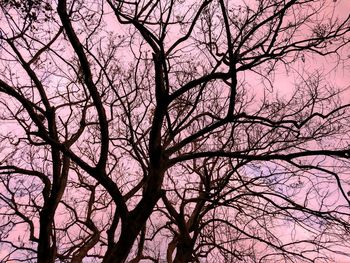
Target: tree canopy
(174, 131)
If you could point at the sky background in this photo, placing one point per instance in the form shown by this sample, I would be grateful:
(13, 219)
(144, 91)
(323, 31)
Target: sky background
(340, 77)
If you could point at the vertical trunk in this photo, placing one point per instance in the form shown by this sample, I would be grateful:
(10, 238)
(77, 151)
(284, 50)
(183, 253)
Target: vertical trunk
(120, 252)
(135, 222)
(46, 252)
(184, 251)
(130, 232)
(47, 244)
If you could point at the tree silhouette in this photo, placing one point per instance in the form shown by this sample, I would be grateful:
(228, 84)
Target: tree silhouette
(173, 131)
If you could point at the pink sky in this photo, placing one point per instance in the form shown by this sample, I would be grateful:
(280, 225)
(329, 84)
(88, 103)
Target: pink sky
(341, 78)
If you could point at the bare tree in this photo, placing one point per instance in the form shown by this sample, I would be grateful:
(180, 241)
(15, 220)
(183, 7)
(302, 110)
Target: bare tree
(173, 131)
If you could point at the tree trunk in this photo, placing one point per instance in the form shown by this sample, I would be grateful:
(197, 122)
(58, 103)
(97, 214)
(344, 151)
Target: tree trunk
(121, 250)
(184, 251)
(46, 252)
(131, 228)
